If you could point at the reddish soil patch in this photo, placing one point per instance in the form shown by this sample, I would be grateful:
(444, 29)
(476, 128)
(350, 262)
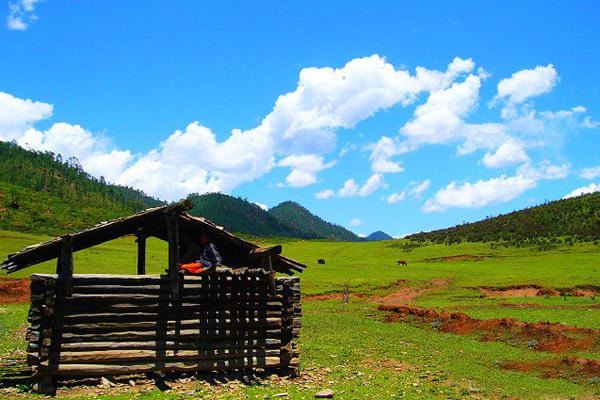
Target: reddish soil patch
(459, 257)
(406, 294)
(541, 336)
(535, 290)
(573, 368)
(14, 290)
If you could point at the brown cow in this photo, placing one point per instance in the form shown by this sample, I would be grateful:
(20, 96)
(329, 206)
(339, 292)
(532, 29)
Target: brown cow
(402, 262)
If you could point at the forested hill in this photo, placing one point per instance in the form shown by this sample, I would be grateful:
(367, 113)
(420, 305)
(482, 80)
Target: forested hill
(295, 216)
(238, 215)
(287, 219)
(577, 217)
(40, 192)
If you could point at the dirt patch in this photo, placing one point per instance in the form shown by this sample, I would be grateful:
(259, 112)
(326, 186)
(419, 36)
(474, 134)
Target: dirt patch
(459, 257)
(543, 336)
(203, 385)
(572, 368)
(405, 294)
(14, 290)
(333, 296)
(535, 290)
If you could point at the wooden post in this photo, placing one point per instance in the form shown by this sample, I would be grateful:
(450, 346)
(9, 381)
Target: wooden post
(173, 235)
(65, 265)
(141, 254)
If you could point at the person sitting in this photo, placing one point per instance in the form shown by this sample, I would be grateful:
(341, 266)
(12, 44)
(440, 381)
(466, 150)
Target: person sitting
(209, 259)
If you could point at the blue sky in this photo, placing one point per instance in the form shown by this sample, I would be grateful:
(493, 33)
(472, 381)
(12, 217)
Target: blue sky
(399, 117)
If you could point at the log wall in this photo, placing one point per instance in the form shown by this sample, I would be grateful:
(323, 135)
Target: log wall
(121, 324)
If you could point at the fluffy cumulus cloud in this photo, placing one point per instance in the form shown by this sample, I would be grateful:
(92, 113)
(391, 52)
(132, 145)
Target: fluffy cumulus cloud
(496, 190)
(414, 189)
(591, 188)
(479, 194)
(21, 14)
(325, 194)
(300, 133)
(371, 185)
(18, 115)
(525, 84)
(590, 173)
(509, 153)
(381, 155)
(304, 169)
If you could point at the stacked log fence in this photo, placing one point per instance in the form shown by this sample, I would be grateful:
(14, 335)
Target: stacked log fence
(121, 324)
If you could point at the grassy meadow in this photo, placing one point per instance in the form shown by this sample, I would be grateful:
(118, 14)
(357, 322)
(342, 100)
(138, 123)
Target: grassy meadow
(350, 348)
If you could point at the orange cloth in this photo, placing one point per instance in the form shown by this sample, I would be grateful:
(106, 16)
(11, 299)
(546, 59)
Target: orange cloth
(194, 268)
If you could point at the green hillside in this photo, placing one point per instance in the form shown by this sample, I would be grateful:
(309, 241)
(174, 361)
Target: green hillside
(287, 219)
(577, 217)
(239, 215)
(42, 193)
(297, 217)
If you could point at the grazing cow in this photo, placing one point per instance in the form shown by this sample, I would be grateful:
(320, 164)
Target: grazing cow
(320, 261)
(402, 262)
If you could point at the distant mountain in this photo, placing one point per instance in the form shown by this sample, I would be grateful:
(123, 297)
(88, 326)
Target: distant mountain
(239, 215)
(578, 217)
(300, 219)
(287, 219)
(377, 236)
(42, 193)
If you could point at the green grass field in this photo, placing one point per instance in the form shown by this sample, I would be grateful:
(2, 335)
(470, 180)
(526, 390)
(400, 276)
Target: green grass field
(349, 348)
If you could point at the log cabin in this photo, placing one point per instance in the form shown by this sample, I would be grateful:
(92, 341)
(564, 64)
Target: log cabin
(245, 316)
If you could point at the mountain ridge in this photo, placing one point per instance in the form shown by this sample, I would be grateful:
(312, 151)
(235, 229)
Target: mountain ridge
(577, 217)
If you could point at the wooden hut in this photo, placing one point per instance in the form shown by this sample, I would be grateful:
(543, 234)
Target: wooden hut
(234, 318)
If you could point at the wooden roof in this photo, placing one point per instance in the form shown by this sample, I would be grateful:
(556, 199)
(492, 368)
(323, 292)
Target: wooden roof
(235, 251)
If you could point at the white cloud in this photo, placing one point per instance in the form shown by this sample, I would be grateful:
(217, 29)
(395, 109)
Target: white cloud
(18, 115)
(193, 161)
(324, 194)
(301, 130)
(590, 173)
(544, 171)
(414, 189)
(396, 197)
(479, 194)
(372, 184)
(509, 153)
(355, 222)
(591, 188)
(525, 84)
(21, 14)
(420, 188)
(589, 123)
(304, 169)
(352, 189)
(441, 118)
(381, 153)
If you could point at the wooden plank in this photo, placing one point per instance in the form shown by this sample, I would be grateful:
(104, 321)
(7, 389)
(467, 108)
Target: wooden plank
(141, 356)
(119, 369)
(267, 343)
(199, 325)
(173, 235)
(65, 269)
(183, 335)
(265, 251)
(141, 252)
(165, 309)
(180, 316)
